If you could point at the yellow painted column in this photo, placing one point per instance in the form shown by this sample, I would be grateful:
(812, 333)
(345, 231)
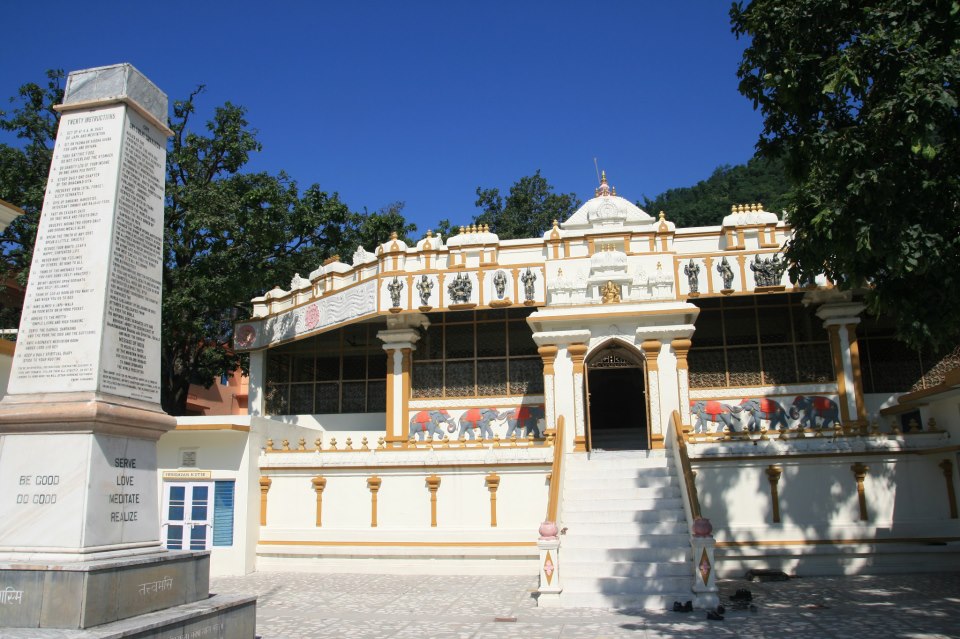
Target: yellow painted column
(264, 488)
(399, 342)
(319, 483)
(433, 484)
(840, 320)
(577, 353)
(493, 482)
(373, 484)
(548, 354)
(651, 351)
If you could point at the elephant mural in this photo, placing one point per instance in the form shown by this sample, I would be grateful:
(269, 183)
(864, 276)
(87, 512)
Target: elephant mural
(478, 418)
(767, 409)
(814, 408)
(524, 418)
(426, 424)
(718, 413)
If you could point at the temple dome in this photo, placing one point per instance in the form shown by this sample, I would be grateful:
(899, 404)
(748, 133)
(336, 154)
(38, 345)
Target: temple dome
(607, 209)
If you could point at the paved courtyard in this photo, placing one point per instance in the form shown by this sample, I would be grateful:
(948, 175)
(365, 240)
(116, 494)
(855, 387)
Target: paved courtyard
(357, 606)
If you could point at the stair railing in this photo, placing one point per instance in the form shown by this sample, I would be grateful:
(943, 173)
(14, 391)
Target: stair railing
(549, 542)
(701, 538)
(553, 503)
(682, 457)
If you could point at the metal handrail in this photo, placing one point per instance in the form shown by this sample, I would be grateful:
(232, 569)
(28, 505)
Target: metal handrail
(553, 503)
(688, 474)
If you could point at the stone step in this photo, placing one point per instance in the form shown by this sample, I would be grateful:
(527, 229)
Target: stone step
(585, 537)
(623, 602)
(662, 503)
(620, 492)
(579, 473)
(605, 482)
(632, 569)
(577, 462)
(626, 585)
(615, 516)
(633, 528)
(600, 555)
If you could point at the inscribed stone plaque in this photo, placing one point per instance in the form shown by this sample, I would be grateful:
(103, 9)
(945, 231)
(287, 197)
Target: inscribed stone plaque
(91, 317)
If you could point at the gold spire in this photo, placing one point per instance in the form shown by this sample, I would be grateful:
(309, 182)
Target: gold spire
(393, 235)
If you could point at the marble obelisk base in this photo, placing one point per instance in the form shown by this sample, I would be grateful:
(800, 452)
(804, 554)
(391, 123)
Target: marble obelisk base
(80, 551)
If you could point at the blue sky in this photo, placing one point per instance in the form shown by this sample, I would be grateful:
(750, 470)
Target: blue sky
(423, 102)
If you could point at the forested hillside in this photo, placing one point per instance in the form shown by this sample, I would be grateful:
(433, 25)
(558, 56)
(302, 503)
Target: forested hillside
(705, 203)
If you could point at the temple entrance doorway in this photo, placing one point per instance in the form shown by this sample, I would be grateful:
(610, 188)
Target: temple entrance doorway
(616, 400)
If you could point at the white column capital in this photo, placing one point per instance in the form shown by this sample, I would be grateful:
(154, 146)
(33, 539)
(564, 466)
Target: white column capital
(840, 313)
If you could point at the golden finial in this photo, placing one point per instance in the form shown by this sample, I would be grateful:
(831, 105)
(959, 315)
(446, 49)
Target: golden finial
(613, 190)
(556, 224)
(302, 444)
(662, 216)
(429, 233)
(733, 208)
(486, 228)
(462, 231)
(317, 442)
(603, 177)
(393, 235)
(759, 206)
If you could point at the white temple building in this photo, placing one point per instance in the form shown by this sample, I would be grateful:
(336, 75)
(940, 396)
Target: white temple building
(629, 408)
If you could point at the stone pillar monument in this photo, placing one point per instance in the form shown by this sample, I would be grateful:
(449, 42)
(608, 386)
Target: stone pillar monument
(79, 517)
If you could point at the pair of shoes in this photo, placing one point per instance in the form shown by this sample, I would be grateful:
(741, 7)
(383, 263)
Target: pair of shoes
(721, 610)
(679, 607)
(742, 595)
(713, 615)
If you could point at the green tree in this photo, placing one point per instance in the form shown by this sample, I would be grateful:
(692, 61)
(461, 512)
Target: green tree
(708, 201)
(23, 172)
(859, 99)
(528, 211)
(229, 235)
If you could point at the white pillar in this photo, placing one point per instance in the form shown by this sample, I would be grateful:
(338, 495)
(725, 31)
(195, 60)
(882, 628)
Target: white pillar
(840, 320)
(258, 377)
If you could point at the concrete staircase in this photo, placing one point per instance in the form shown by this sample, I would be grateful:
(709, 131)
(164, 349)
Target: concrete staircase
(627, 543)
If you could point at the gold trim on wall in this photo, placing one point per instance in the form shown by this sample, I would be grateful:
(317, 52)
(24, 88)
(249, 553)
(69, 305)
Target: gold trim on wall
(373, 484)
(947, 467)
(264, 488)
(433, 484)
(857, 373)
(412, 544)
(839, 371)
(773, 476)
(860, 472)
(492, 482)
(319, 483)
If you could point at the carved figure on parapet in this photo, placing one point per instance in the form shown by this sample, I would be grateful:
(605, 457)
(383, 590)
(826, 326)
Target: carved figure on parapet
(711, 412)
(460, 288)
(426, 424)
(610, 293)
(813, 409)
(692, 271)
(500, 284)
(425, 288)
(298, 282)
(361, 255)
(726, 273)
(764, 409)
(528, 279)
(395, 287)
(767, 272)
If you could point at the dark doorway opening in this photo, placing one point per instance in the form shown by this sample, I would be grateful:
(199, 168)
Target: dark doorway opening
(618, 409)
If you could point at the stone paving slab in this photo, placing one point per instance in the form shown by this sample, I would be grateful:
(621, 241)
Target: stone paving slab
(362, 606)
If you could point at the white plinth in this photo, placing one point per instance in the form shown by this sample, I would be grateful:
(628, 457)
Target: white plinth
(72, 494)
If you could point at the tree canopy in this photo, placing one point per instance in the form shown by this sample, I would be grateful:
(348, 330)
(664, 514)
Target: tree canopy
(528, 211)
(708, 201)
(229, 235)
(859, 100)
